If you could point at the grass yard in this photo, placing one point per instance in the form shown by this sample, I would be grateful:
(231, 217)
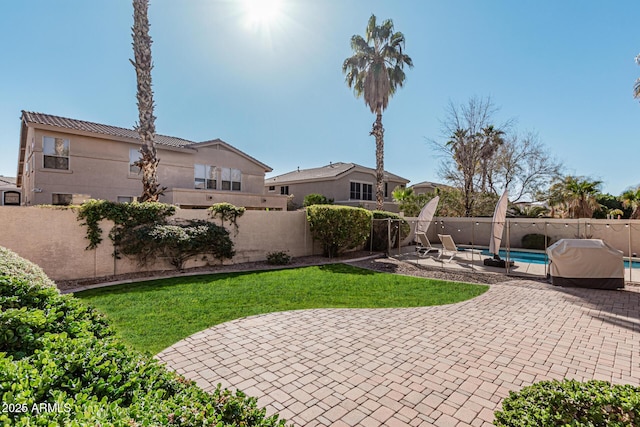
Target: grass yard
(155, 314)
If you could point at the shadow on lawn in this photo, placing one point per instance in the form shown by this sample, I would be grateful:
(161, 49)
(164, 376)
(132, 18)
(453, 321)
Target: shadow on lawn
(152, 285)
(346, 269)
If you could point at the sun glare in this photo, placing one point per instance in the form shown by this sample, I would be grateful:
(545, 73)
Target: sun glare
(261, 13)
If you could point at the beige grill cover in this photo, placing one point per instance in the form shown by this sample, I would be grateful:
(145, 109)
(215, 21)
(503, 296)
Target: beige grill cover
(586, 262)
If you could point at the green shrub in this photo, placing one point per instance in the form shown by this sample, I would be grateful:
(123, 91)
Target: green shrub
(339, 228)
(62, 365)
(278, 258)
(571, 403)
(226, 212)
(12, 264)
(178, 241)
(316, 199)
(400, 229)
(534, 241)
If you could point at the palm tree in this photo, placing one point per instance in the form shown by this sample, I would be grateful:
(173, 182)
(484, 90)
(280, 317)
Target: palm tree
(375, 71)
(148, 162)
(631, 199)
(463, 148)
(492, 140)
(577, 197)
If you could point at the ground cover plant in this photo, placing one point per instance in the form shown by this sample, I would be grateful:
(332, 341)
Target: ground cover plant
(571, 403)
(153, 315)
(60, 364)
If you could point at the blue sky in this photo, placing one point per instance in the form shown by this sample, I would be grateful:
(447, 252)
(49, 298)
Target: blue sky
(564, 69)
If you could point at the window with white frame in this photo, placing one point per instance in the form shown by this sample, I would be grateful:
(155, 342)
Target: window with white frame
(231, 179)
(56, 153)
(134, 156)
(125, 199)
(361, 191)
(204, 177)
(284, 190)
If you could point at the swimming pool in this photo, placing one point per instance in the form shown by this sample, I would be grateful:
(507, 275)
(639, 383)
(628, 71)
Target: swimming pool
(538, 257)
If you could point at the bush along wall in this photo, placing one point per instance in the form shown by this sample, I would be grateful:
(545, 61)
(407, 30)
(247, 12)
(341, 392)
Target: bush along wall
(570, 403)
(60, 364)
(339, 228)
(143, 231)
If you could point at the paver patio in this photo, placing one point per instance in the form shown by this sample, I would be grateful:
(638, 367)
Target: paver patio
(433, 366)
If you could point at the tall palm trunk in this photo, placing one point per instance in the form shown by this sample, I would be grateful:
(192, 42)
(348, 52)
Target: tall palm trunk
(378, 132)
(148, 162)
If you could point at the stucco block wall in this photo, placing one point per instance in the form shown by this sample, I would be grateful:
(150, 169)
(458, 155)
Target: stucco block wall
(55, 240)
(623, 235)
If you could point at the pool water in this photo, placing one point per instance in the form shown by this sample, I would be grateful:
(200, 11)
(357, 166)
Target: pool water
(538, 257)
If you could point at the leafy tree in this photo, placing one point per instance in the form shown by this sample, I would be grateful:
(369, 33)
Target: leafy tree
(524, 166)
(481, 157)
(148, 162)
(472, 141)
(631, 200)
(316, 199)
(609, 203)
(375, 72)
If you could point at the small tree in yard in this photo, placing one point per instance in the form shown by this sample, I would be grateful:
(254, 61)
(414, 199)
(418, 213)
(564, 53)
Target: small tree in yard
(339, 228)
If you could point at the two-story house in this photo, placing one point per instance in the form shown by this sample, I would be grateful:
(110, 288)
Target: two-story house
(64, 161)
(346, 183)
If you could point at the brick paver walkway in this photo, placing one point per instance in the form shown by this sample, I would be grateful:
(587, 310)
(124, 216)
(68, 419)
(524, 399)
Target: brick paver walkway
(432, 366)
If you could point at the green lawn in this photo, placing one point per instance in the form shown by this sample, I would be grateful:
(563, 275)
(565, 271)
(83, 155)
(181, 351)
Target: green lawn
(153, 315)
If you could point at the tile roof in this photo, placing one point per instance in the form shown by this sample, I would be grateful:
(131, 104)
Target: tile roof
(5, 180)
(82, 125)
(329, 171)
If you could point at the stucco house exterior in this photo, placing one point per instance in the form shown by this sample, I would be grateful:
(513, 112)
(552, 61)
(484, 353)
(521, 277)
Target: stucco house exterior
(10, 194)
(63, 161)
(346, 183)
(426, 187)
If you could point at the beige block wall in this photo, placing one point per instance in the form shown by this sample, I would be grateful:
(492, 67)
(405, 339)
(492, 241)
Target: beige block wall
(623, 235)
(55, 240)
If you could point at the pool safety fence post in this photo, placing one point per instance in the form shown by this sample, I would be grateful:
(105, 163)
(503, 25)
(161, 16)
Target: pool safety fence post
(371, 236)
(506, 264)
(546, 254)
(630, 259)
(389, 236)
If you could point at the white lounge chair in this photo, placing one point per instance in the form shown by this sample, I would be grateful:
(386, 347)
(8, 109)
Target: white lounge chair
(448, 246)
(425, 249)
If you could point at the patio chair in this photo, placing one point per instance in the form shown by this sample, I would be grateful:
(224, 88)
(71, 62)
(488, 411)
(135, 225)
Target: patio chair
(448, 246)
(425, 249)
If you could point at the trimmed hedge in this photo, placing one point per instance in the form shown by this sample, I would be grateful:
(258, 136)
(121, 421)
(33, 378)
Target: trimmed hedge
(339, 228)
(60, 364)
(12, 264)
(570, 403)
